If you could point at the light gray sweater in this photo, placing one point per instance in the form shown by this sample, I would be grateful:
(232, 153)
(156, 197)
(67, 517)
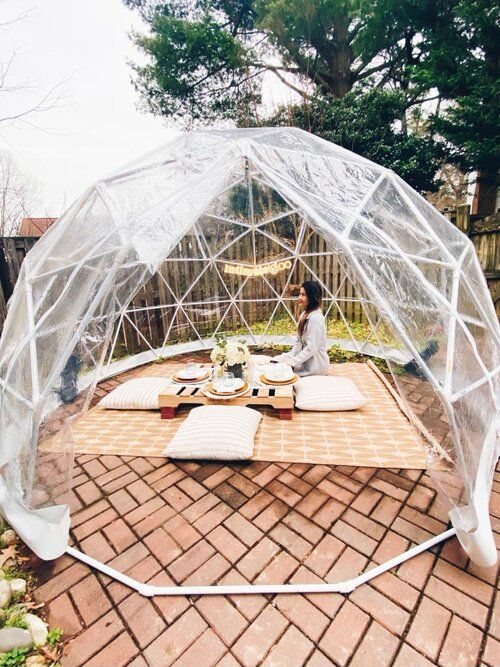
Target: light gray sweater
(309, 354)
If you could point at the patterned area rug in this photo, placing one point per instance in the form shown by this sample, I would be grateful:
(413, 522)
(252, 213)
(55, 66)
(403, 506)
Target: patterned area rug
(378, 435)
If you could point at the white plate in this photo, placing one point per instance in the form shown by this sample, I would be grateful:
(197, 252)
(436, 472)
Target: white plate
(287, 375)
(192, 376)
(225, 397)
(270, 384)
(191, 383)
(237, 385)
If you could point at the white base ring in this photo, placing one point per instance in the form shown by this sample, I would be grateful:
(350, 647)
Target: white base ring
(261, 589)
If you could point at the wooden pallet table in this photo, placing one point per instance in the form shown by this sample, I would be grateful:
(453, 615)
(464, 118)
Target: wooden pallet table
(280, 398)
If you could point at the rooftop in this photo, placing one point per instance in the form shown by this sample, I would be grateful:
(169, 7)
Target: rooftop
(35, 226)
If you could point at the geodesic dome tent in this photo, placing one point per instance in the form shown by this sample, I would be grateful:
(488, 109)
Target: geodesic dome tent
(224, 223)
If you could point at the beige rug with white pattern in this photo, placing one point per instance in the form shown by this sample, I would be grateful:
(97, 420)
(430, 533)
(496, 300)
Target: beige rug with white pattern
(378, 435)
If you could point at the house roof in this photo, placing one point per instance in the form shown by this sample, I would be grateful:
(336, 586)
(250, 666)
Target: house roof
(34, 226)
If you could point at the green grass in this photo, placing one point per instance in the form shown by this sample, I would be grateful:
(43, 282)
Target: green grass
(335, 329)
(13, 658)
(54, 636)
(13, 616)
(282, 326)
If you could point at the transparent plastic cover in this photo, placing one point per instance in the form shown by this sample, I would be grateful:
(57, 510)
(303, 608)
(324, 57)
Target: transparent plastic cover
(215, 231)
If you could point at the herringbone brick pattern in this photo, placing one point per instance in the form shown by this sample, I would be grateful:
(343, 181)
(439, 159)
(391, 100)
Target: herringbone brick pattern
(191, 523)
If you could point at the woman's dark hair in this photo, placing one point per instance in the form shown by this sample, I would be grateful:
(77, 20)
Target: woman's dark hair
(314, 295)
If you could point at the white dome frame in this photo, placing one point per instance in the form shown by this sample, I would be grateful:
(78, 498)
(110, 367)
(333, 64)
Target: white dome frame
(83, 273)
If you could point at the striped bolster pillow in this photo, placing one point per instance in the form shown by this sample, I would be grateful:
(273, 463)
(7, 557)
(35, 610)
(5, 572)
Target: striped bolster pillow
(326, 394)
(217, 433)
(138, 394)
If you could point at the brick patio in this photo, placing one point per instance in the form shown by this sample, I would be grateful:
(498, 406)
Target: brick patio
(164, 523)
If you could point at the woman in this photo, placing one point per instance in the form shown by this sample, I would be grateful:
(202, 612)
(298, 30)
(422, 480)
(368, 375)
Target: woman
(309, 354)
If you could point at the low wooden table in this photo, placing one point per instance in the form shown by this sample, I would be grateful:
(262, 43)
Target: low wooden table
(280, 398)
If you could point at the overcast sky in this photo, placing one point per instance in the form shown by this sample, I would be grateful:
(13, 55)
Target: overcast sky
(97, 126)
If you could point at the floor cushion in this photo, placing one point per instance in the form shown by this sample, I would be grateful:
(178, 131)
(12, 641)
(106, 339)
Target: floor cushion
(326, 393)
(217, 433)
(138, 394)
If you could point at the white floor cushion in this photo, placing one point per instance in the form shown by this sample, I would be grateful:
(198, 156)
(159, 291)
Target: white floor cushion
(217, 433)
(139, 394)
(325, 393)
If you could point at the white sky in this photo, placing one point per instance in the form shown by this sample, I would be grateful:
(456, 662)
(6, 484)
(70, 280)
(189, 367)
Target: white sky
(97, 127)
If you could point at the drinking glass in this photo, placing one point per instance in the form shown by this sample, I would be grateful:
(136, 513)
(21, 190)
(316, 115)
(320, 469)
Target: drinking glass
(228, 380)
(248, 373)
(279, 372)
(190, 369)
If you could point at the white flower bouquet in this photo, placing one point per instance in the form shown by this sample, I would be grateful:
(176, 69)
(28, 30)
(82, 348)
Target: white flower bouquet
(230, 354)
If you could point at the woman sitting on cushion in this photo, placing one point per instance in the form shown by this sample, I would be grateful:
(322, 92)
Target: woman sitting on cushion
(309, 354)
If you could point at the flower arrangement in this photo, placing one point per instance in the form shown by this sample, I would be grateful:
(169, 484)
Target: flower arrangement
(230, 354)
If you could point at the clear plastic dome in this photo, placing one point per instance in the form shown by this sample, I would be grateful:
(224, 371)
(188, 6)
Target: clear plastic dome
(213, 231)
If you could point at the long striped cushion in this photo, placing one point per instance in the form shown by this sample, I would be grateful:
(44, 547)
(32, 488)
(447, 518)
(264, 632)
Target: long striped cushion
(326, 394)
(217, 433)
(138, 394)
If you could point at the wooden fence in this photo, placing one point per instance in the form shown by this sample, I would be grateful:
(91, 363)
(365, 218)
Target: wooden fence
(254, 298)
(155, 323)
(179, 273)
(12, 253)
(486, 242)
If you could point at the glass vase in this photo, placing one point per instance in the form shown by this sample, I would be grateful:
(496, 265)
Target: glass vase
(236, 370)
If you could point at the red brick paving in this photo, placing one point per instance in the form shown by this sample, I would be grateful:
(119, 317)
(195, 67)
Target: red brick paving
(165, 523)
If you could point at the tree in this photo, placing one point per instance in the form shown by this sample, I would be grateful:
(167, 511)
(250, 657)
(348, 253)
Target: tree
(206, 58)
(369, 124)
(453, 189)
(463, 63)
(18, 193)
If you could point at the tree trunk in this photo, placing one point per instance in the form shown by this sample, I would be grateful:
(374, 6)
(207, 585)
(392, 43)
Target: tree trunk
(341, 73)
(338, 55)
(485, 193)
(341, 61)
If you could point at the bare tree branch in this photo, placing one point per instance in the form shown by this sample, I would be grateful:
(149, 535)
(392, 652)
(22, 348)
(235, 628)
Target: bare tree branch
(412, 101)
(18, 192)
(362, 73)
(277, 73)
(20, 17)
(47, 101)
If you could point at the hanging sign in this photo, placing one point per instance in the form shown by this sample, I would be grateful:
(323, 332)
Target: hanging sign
(261, 270)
